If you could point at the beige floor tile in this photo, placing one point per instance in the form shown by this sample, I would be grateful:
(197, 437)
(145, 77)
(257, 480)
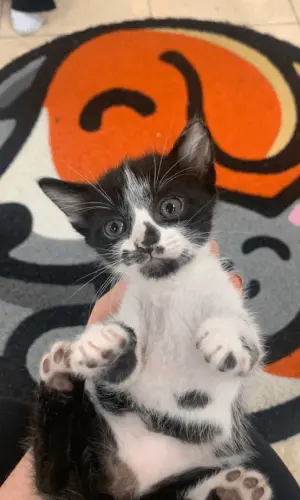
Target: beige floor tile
(296, 6)
(287, 32)
(236, 11)
(11, 48)
(76, 15)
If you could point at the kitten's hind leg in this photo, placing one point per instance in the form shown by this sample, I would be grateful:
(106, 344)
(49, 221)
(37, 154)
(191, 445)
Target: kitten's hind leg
(232, 484)
(65, 462)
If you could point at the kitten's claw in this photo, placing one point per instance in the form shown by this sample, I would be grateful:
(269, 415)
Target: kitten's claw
(55, 367)
(99, 345)
(221, 343)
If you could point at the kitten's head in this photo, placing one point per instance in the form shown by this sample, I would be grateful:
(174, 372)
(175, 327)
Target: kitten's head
(149, 215)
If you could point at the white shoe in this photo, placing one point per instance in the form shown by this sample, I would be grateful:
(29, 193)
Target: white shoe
(26, 23)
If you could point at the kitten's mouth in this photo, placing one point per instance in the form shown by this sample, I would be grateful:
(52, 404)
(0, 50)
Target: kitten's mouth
(161, 266)
(152, 259)
(151, 262)
(153, 265)
(141, 257)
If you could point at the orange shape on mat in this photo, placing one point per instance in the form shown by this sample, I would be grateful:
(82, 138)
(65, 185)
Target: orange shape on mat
(241, 107)
(286, 367)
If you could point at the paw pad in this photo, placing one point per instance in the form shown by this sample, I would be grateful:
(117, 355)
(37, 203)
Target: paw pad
(233, 475)
(241, 484)
(55, 367)
(98, 346)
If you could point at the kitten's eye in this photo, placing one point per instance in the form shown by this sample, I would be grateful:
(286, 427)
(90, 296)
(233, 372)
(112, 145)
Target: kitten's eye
(171, 208)
(114, 228)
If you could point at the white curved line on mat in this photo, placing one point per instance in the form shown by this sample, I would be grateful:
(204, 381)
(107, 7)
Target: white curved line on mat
(268, 70)
(265, 391)
(289, 452)
(18, 184)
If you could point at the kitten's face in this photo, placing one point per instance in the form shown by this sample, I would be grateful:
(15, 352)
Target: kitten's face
(148, 216)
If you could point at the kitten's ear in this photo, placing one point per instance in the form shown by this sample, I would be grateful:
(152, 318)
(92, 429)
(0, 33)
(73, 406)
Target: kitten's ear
(71, 198)
(194, 149)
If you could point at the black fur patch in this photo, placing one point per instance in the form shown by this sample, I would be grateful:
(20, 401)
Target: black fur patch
(193, 399)
(114, 401)
(229, 363)
(120, 402)
(151, 235)
(67, 461)
(165, 267)
(125, 364)
(187, 432)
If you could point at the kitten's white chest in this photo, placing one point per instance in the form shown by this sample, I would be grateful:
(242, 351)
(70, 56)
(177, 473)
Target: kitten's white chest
(171, 364)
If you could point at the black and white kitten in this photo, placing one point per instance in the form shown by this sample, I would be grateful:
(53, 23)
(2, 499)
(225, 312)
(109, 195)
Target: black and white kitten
(162, 412)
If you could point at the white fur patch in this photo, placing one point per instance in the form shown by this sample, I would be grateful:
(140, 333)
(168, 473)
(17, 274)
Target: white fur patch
(137, 191)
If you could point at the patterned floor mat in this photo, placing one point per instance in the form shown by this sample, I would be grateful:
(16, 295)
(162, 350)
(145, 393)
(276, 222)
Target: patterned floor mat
(77, 106)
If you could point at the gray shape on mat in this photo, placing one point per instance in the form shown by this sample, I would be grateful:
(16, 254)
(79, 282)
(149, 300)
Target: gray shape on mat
(19, 82)
(10, 317)
(6, 129)
(44, 251)
(39, 296)
(277, 302)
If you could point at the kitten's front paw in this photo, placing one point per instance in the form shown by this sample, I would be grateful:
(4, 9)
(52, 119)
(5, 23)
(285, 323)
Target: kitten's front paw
(55, 367)
(100, 345)
(242, 484)
(220, 341)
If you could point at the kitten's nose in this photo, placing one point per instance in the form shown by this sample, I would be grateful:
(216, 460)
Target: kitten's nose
(147, 250)
(151, 236)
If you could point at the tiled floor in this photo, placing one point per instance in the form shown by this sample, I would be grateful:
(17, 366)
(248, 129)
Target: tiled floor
(280, 18)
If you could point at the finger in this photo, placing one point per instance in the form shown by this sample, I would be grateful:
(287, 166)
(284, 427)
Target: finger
(214, 247)
(108, 304)
(237, 281)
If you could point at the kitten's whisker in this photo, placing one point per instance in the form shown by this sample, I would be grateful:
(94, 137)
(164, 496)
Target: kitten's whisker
(200, 210)
(95, 186)
(106, 196)
(85, 276)
(87, 209)
(86, 204)
(85, 179)
(155, 168)
(99, 293)
(173, 177)
(173, 166)
(165, 145)
(97, 274)
(109, 282)
(234, 232)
